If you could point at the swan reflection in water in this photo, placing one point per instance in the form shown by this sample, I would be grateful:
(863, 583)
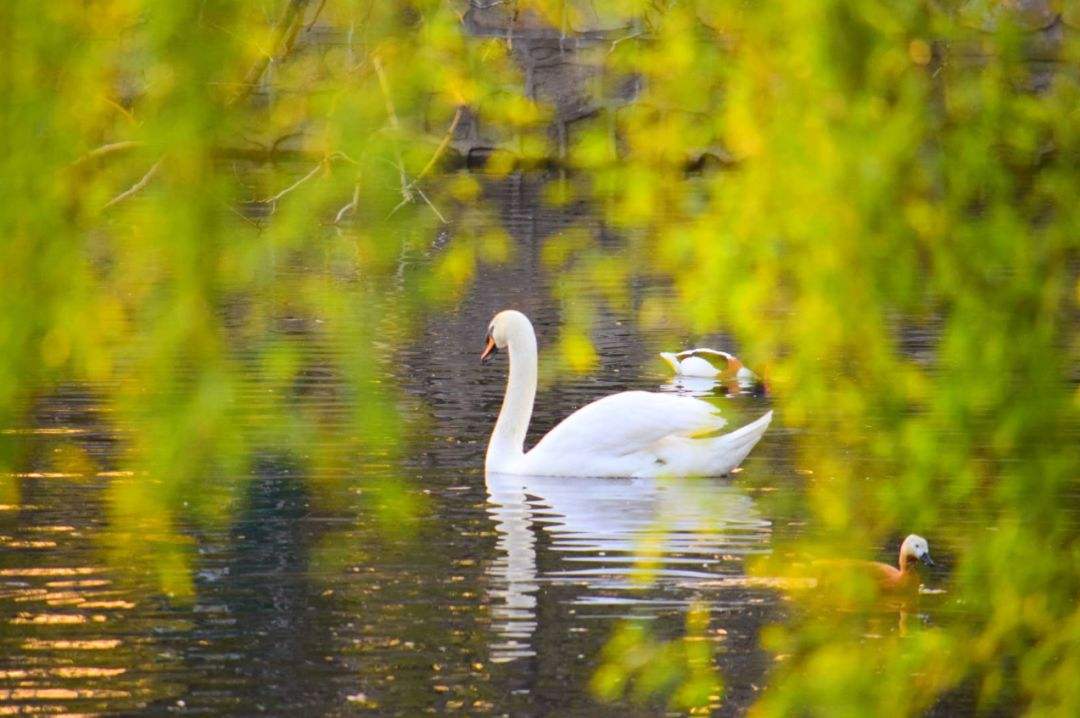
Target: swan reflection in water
(597, 530)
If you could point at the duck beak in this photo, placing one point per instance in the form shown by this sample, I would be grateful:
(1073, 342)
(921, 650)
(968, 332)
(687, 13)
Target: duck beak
(489, 349)
(925, 558)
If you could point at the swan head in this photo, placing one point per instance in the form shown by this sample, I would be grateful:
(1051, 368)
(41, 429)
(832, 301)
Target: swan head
(499, 331)
(915, 547)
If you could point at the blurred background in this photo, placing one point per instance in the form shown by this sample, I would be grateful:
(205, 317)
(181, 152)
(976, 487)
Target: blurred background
(248, 253)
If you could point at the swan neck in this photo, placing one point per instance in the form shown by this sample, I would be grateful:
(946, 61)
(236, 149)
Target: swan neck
(507, 443)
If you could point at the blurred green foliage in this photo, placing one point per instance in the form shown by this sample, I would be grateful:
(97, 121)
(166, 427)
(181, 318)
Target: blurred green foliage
(680, 671)
(142, 145)
(898, 168)
(887, 168)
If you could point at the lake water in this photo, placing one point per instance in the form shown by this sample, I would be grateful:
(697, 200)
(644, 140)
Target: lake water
(497, 601)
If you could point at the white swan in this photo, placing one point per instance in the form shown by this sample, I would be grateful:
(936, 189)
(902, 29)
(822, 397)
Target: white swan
(634, 433)
(708, 364)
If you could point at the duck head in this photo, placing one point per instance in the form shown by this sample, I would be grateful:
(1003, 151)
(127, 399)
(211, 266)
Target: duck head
(915, 547)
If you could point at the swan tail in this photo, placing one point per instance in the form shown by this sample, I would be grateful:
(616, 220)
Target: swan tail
(730, 449)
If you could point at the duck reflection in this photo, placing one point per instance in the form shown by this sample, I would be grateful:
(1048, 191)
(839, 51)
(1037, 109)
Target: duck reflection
(704, 387)
(599, 534)
(696, 386)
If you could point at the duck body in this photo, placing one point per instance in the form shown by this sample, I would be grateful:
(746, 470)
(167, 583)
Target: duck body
(890, 580)
(708, 364)
(904, 579)
(629, 434)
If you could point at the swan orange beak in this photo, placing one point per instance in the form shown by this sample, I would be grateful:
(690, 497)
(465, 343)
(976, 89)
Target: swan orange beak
(489, 349)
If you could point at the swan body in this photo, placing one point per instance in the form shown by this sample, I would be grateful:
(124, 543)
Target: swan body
(633, 433)
(709, 364)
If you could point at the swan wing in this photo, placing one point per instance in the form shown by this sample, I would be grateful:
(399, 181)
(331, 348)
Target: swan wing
(628, 422)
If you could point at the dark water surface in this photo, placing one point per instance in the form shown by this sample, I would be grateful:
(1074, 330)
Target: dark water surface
(497, 601)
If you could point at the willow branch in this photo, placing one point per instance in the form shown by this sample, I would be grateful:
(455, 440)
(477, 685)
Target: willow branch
(137, 187)
(105, 150)
(413, 185)
(430, 204)
(314, 171)
(128, 114)
(315, 17)
(351, 206)
(391, 113)
(324, 163)
(285, 32)
(624, 38)
(407, 186)
(442, 145)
